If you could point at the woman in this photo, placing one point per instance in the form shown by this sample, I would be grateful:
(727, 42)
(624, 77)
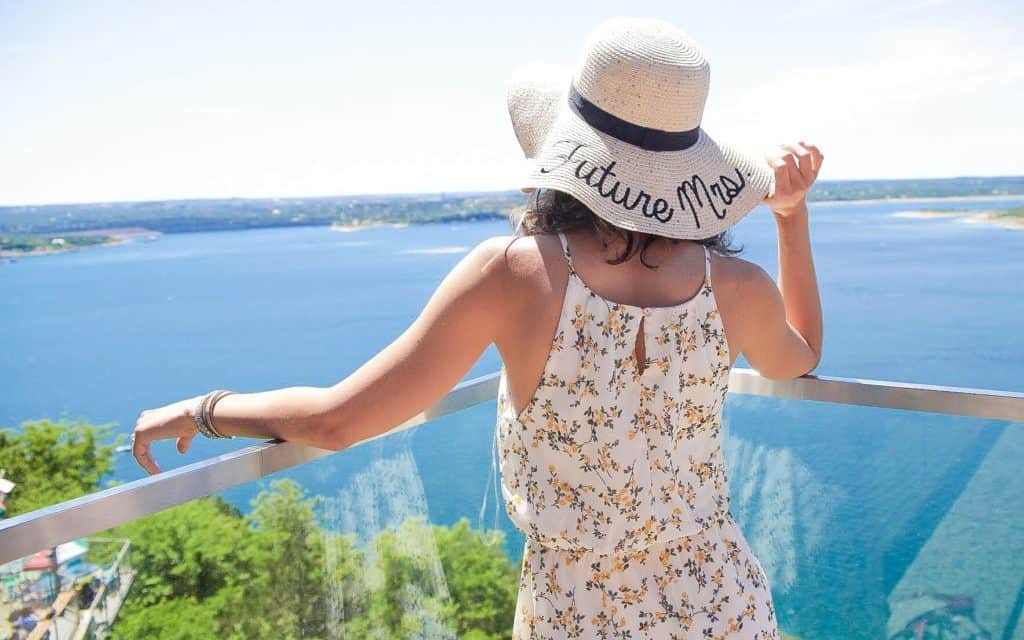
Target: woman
(618, 312)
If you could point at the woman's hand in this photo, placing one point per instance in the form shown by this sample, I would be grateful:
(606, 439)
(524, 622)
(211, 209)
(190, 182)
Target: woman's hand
(170, 421)
(796, 168)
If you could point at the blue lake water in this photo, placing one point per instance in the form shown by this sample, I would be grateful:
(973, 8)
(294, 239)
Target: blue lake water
(855, 513)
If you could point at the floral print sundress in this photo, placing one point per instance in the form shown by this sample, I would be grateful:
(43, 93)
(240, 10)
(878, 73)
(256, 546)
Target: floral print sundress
(615, 474)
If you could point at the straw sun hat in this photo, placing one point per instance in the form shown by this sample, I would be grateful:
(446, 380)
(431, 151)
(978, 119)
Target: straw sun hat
(621, 132)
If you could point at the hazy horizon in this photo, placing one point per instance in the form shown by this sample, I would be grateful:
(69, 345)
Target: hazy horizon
(470, 192)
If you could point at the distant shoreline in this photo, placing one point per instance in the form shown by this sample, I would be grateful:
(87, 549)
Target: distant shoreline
(921, 199)
(348, 227)
(1002, 219)
(456, 213)
(114, 236)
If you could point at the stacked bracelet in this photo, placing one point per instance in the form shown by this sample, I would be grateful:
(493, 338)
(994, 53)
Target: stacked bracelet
(204, 412)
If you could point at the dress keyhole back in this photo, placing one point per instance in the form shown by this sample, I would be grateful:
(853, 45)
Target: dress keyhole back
(640, 346)
(640, 350)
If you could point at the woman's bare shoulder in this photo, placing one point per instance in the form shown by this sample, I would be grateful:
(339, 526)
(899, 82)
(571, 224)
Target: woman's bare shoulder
(517, 275)
(521, 261)
(737, 274)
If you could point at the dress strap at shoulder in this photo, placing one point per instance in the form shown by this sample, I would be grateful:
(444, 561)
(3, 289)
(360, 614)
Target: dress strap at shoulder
(707, 266)
(565, 251)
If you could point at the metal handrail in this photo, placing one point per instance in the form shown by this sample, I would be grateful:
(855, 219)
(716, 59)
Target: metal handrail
(25, 534)
(955, 401)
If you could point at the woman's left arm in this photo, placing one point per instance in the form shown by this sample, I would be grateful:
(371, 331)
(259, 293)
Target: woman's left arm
(462, 318)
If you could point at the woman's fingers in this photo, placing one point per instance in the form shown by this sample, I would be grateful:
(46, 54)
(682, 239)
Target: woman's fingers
(142, 453)
(816, 155)
(165, 423)
(806, 161)
(796, 180)
(782, 185)
(184, 442)
(796, 168)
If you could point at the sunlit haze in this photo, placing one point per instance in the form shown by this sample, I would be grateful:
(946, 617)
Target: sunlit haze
(127, 101)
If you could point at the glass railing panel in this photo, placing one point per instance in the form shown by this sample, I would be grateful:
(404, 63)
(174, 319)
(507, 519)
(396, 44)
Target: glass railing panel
(869, 523)
(874, 523)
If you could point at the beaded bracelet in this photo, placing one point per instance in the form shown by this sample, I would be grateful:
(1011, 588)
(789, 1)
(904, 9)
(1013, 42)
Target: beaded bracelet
(197, 415)
(214, 399)
(204, 412)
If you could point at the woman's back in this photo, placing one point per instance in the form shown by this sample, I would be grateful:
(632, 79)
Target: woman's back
(542, 272)
(613, 466)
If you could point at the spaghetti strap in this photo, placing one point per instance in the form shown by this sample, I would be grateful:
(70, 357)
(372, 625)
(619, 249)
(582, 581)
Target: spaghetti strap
(566, 252)
(707, 267)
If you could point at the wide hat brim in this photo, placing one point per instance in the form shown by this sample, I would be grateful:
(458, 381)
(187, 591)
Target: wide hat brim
(694, 193)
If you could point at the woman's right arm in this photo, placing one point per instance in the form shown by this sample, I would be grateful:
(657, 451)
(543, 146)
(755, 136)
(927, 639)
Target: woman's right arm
(785, 338)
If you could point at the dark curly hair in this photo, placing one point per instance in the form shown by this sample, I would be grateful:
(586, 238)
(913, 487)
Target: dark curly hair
(553, 211)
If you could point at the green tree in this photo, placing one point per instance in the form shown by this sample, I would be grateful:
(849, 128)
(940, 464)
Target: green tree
(408, 594)
(190, 551)
(482, 581)
(54, 461)
(174, 619)
(436, 581)
(263, 575)
(285, 597)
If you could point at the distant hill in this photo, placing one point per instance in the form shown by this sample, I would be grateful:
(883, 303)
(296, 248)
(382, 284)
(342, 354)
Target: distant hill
(918, 188)
(175, 216)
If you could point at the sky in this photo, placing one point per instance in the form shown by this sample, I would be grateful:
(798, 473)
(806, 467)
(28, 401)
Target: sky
(113, 101)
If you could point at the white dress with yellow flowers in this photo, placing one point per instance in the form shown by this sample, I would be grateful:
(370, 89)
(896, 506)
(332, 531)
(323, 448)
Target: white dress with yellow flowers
(615, 474)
